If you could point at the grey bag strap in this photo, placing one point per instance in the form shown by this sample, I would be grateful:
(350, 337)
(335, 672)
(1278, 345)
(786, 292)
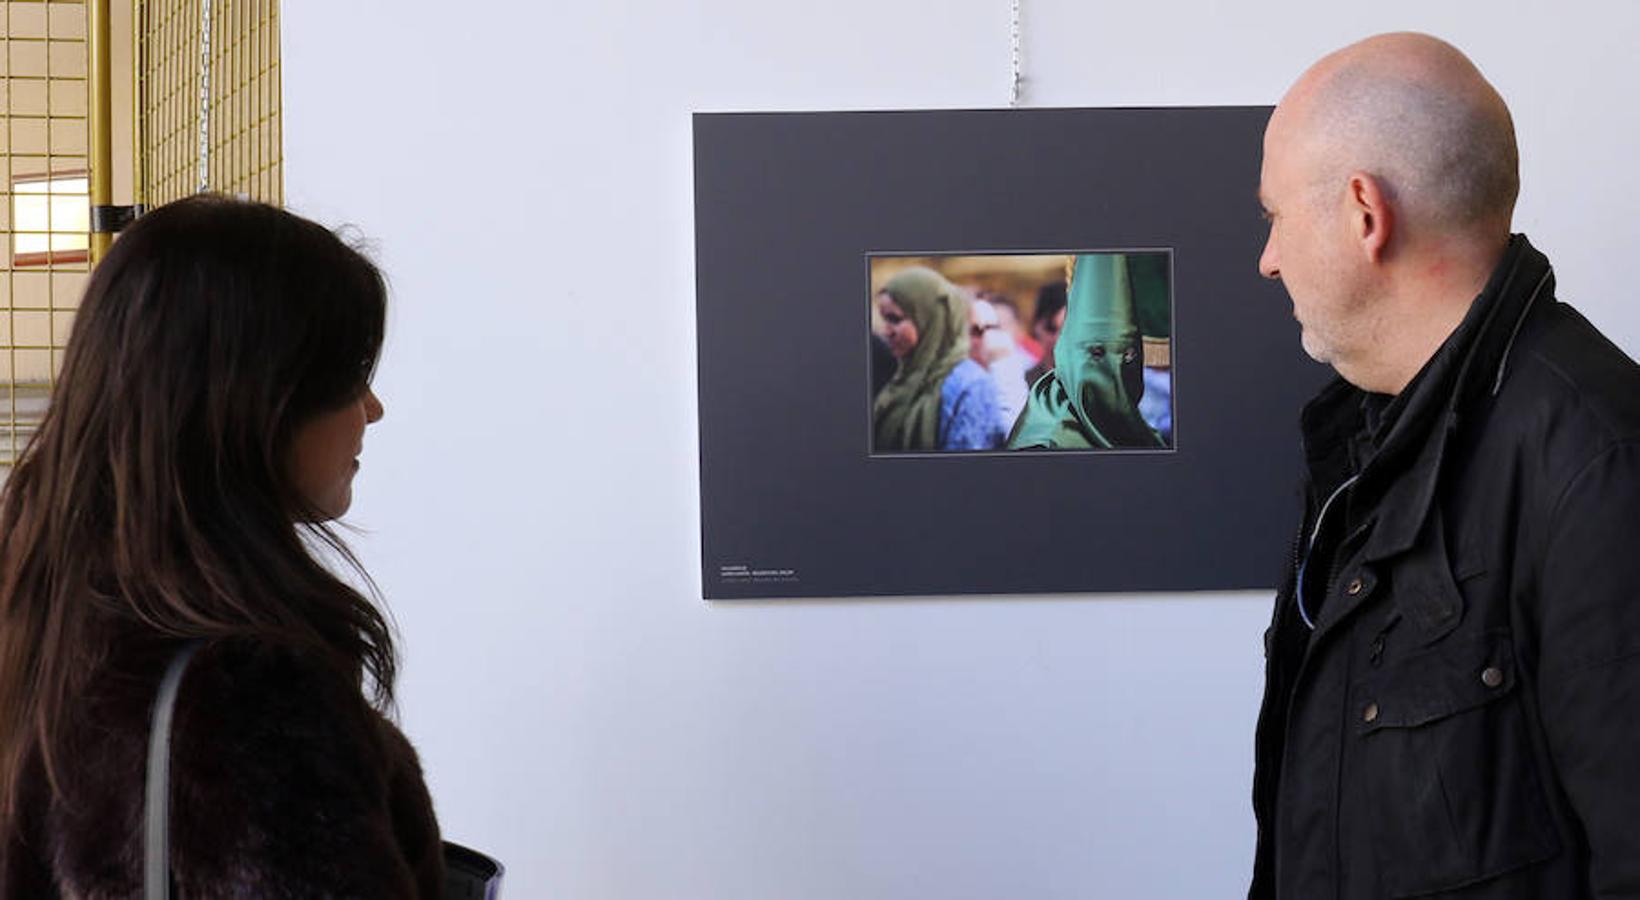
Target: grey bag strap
(156, 871)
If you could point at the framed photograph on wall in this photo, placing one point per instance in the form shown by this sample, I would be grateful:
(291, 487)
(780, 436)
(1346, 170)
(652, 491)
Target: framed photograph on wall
(1001, 351)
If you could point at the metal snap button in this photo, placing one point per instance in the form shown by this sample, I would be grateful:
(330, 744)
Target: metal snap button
(1370, 714)
(1354, 586)
(1492, 677)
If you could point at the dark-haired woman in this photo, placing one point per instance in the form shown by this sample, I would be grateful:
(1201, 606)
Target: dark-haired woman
(205, 427)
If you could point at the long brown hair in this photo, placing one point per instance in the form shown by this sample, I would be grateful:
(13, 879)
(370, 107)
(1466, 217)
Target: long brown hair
(154, 501)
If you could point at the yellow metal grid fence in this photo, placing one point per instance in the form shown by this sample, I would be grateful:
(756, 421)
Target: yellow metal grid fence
(236, 96)
(205, 115)
(44, 201)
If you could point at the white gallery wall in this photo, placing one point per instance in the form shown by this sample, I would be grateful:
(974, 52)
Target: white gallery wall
(530, 508)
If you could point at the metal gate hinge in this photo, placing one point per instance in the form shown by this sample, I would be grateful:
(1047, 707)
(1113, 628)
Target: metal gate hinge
(111, 219)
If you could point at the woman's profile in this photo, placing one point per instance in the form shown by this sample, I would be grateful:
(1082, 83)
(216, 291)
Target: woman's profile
(206, 426)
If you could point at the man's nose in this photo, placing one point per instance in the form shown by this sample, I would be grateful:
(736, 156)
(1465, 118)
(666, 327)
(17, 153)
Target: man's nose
(1267, 265)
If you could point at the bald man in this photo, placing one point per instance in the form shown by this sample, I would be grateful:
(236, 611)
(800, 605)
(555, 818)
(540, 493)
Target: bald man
(1452, 700)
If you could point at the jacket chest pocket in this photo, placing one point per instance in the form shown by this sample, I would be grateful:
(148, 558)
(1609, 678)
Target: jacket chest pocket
(1449, 789)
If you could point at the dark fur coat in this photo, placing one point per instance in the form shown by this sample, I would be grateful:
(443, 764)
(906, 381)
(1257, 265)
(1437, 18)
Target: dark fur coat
(285, 783)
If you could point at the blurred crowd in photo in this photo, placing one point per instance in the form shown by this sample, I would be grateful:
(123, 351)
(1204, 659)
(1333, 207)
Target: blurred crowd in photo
(1039, 351)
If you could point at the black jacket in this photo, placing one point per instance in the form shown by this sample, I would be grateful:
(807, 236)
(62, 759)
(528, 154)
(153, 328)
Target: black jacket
(1464, 718)
(285, 783)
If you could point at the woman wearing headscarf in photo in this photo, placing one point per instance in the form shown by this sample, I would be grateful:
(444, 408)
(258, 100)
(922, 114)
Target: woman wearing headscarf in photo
(939, 398)
(1090, 401)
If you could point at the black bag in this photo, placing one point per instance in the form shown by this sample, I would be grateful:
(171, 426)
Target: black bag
(469, 875)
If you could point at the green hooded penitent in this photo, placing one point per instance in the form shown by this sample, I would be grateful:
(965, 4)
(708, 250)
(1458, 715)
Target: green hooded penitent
(1090, 401)
(906, 415)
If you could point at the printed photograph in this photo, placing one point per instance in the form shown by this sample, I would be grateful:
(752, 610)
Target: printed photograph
(1042, 351)
(915, 325)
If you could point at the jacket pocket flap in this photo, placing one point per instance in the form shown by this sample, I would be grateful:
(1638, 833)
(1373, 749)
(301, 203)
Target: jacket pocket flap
(1456, 675)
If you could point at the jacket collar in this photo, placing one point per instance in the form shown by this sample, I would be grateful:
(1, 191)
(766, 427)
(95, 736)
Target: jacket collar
(1459, 380)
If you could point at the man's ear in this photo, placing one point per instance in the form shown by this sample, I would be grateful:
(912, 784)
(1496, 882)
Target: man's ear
(1371, 219)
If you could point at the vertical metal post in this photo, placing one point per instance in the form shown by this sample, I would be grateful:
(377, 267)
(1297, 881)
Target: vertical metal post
(101, 87)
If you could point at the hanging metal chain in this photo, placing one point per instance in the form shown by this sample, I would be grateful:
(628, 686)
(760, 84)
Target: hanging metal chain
(1018, 78)
(205, 95)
